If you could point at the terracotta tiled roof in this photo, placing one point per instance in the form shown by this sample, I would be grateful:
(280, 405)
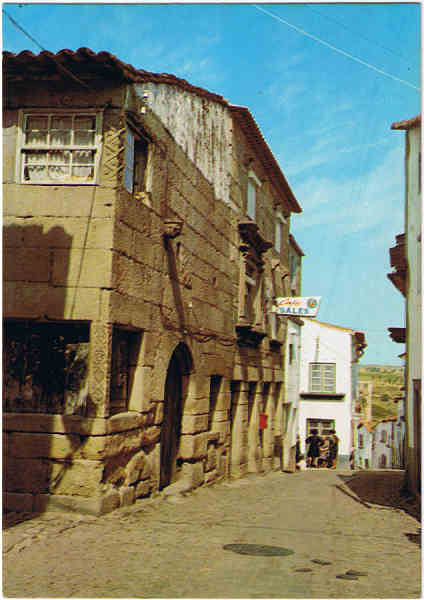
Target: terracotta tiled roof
(388, 419)
(414, 122)
(254, 136)
(105, 62)
(296, 245)
(84, 60)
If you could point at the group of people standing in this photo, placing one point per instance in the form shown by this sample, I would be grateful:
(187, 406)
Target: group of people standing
(322, 450)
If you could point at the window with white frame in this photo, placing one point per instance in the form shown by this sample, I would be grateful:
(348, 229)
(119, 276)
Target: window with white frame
(279, 223)
(322, 377)
(252, 186)
(59, 147)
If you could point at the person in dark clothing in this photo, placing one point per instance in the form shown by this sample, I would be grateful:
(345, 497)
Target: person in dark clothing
(299, 454)
(314, 442)
(333, 449)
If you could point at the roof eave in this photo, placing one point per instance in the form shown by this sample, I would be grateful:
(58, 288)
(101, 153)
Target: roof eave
(408, 124)
(250, 126)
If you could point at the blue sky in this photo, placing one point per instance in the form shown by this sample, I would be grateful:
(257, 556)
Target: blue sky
(325, 115)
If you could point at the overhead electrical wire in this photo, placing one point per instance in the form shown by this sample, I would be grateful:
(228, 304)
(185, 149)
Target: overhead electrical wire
(356, 33)
(53, 58)
(338, 50)
(16, 24)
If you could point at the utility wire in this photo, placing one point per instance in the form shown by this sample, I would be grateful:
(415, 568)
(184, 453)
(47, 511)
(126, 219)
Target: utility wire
(342, 52)
(357, 33)
(58, 65)
(23, 30)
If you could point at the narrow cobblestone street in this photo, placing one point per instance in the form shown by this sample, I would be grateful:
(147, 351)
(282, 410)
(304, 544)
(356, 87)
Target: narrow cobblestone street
(312, 534)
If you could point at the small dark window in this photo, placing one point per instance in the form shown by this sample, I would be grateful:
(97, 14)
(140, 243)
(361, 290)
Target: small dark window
(125, 350)
(215, 385)
(136, 154)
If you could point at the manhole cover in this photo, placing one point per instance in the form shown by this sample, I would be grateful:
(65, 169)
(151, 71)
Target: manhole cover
(257, 550)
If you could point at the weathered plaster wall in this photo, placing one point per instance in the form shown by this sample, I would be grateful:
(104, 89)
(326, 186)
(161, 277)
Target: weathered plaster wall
(200, 127)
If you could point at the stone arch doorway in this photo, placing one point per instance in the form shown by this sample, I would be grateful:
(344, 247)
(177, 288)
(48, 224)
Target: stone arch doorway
(176, 385)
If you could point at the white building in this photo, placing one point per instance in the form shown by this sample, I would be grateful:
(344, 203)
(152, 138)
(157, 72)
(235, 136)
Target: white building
(364, 450)
(406, 260)
(329, 382)
(384, 433)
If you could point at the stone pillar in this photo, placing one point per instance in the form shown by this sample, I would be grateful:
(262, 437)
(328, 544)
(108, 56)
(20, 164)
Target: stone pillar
(239, 433)
(275, 394)
(99, 369)
(221, 425)
(255, 452)
(268, 432)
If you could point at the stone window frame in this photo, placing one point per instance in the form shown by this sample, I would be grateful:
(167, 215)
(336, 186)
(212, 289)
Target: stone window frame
(322, 369)
(253, 184)
(280, 221)
(250, 325)
(125, 351)
(278, 282)
(294, 267)
(50, 147)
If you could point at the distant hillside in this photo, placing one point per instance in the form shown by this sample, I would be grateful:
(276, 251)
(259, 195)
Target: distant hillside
(387, 382)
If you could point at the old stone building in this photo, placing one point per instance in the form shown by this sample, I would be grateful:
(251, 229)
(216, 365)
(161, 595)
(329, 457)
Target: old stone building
(146, 233)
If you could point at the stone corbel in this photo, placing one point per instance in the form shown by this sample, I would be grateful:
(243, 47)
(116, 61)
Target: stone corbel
(172, 228)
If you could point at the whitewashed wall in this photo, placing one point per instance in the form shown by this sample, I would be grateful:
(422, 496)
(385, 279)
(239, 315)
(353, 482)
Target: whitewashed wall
(383, 448)
(292, 380)
(413, 249)
(366, 452)
(200, 126)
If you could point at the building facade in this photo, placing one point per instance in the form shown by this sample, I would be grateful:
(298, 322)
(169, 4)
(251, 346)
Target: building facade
(363, 451)
(381, 445)
(384, 441)
(146, 234)
(405, 258)
(329, 384)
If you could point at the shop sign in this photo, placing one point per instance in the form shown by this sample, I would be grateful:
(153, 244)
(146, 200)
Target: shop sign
(300, 307)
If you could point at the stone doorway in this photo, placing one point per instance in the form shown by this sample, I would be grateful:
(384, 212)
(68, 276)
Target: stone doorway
(176, 386)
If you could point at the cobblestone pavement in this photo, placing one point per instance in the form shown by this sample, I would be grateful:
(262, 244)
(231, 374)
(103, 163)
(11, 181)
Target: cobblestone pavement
(302, 535)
